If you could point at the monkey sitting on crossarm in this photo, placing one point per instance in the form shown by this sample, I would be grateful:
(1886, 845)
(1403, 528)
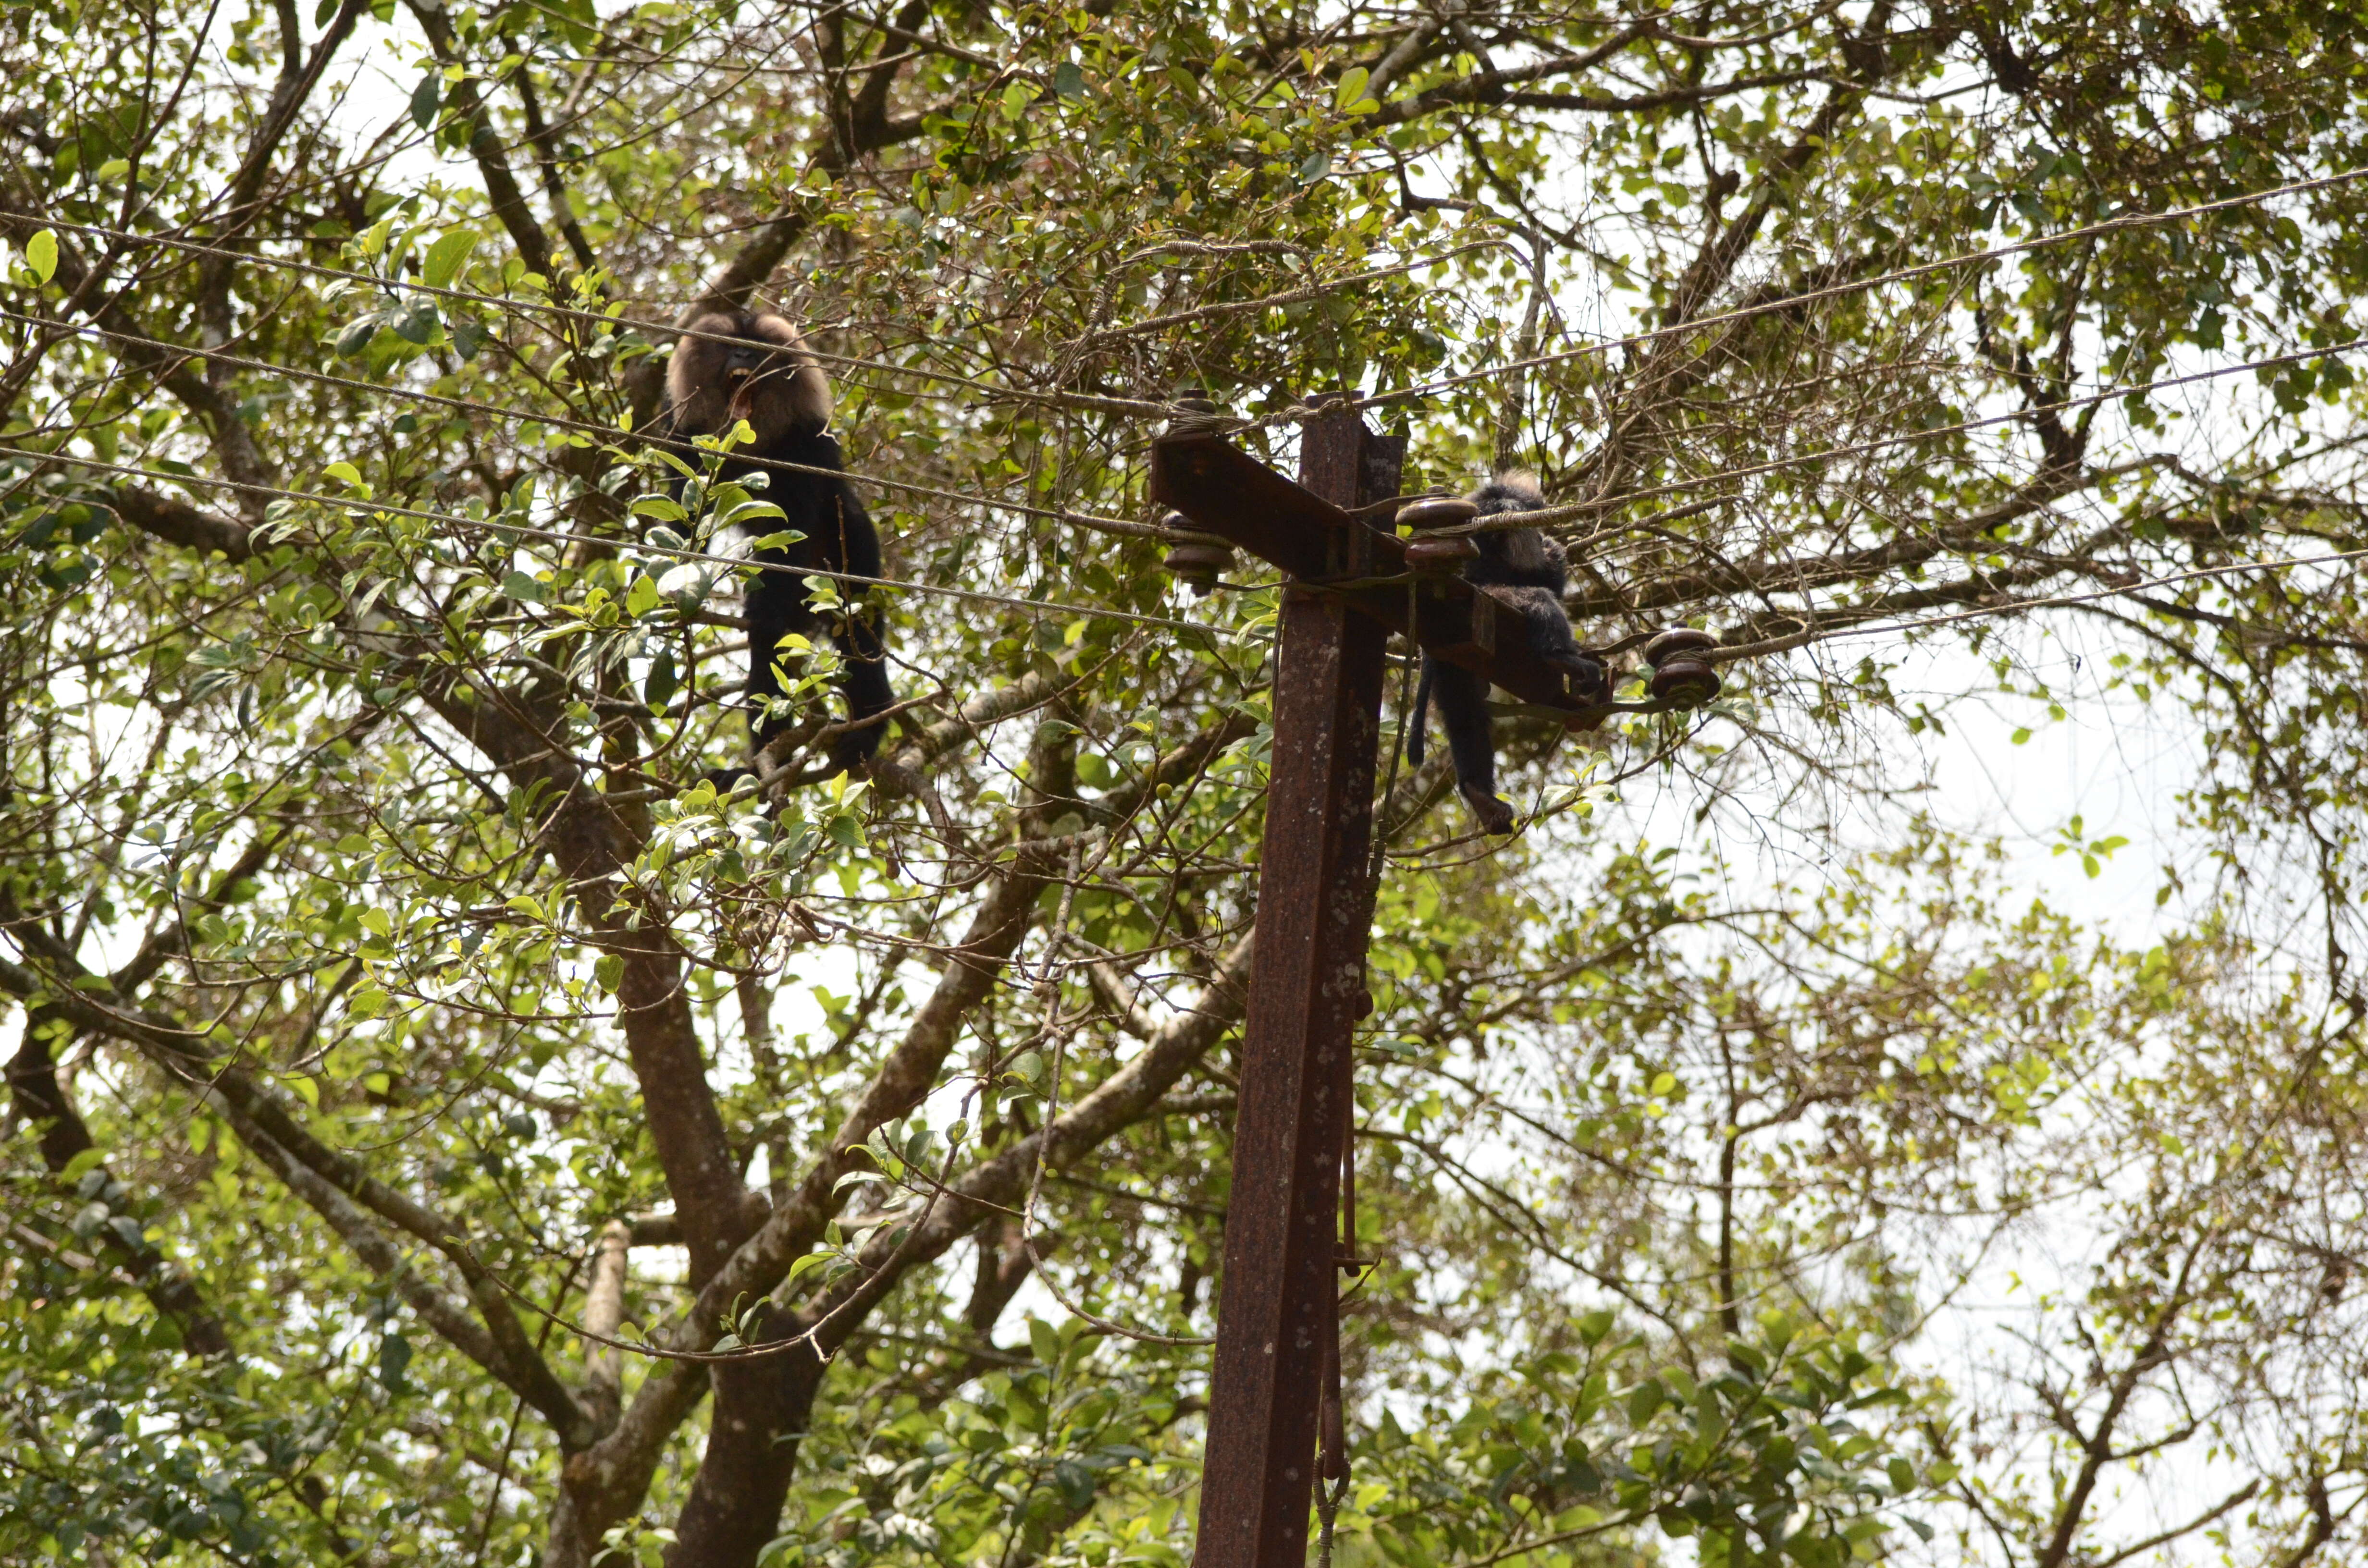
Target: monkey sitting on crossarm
(764, 375)
(1528, 573)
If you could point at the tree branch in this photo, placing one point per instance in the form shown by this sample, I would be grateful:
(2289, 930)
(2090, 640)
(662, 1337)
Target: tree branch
(509, 202)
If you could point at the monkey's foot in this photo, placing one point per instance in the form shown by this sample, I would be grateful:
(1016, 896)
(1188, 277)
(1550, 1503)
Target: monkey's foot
(1496, 816)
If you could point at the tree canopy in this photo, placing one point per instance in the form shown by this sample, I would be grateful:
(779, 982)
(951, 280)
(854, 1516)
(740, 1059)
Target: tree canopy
(447, 1126)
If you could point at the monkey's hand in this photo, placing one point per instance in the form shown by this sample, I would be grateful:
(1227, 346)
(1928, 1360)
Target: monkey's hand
(1590, 682)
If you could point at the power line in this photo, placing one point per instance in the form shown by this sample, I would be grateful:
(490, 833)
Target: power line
(1119, 526)
(1526, 520)
(1088, 402)
(1725, 654)
(562, 536)
(1679, 486)
(1126, 528)
(1812, 296)
(1141, 409)
(1138, 529)
(2054, 601)
(1532, 518)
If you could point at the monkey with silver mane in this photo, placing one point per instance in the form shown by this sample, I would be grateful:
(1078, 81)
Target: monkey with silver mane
(1525, 572)
(765, 375)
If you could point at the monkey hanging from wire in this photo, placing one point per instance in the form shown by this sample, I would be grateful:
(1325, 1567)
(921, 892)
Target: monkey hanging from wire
(1526, 571)
(753, 364)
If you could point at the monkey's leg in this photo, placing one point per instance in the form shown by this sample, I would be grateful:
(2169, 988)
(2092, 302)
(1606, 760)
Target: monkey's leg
(1463, 700)
(864, 677)
(775, 606)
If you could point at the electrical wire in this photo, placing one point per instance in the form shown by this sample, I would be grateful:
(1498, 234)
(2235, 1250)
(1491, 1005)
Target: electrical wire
(1835, 290)
(2019, 606)
(562, 536)
(1539, 518)
(1088, 402)
(1527, 519)
(1120, 525)
(1545, 516)
(1723, 654)
(1142, 409)
(1126, 528)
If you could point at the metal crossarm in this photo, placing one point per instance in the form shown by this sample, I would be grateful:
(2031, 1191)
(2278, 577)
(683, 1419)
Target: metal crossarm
(1227, 492)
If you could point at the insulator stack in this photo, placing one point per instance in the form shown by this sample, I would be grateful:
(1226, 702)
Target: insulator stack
(1426, 552)
(1682, 675)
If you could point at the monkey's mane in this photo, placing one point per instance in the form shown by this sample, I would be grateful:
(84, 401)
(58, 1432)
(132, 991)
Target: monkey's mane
(788, 395)
(1512, 490)
(1525, 551)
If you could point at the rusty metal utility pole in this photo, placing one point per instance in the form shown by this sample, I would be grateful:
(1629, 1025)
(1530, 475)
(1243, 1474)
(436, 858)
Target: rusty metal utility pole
(1350, 588)
(1307, 991)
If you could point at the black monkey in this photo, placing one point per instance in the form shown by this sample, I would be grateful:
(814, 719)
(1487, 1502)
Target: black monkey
(1528, 573)
(771, 380)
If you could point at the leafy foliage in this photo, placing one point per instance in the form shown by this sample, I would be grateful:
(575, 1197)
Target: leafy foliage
(448, 1124)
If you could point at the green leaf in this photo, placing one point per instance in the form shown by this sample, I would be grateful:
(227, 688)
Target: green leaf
(41, 256)
(642, 598)
(355, 340)
(445, 257)
(1903, 1476)
(1043, 1341)
(1068, 81)
(1350, 95)
(394, 1355)
(425, 99)
(418, 323)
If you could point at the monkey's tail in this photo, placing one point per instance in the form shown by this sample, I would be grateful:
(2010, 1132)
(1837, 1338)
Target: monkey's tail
(1418, 721)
